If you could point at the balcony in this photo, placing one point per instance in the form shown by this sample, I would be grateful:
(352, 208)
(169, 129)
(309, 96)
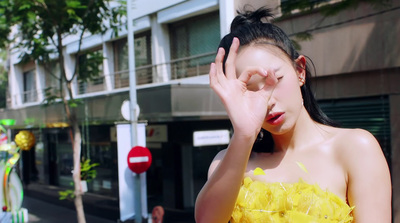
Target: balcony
(173, 70)
(30, 96)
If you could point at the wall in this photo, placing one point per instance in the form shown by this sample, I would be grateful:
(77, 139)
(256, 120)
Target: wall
(369, 43)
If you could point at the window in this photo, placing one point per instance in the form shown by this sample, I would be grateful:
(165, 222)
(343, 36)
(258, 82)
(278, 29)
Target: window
(90, 72)
(193, 44)
(52, 76)
(30, 94)
(143, 60)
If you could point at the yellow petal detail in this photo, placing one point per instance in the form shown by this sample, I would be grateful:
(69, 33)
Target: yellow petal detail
(301, 165)
(258, 171)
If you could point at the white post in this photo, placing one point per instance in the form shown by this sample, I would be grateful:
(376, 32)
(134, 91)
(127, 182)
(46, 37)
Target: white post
(128, 197)
(133, 102)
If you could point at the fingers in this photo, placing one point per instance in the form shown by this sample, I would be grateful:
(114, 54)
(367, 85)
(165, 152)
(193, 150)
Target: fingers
(230, 68)
(216, 74)
(219, 59)
(271, 80)
(214, 82)
(258, 78)
(270, 83)
(250, 71)
(213, 75)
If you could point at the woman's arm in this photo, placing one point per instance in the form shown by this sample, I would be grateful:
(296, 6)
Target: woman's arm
(247, 111)
(217, 198)
(369, 184)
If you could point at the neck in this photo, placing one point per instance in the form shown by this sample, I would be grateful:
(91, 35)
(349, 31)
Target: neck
(305, 132)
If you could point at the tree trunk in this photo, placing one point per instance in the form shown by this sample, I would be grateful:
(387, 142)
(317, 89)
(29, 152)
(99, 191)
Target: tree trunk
(77, 172)
(77, 139)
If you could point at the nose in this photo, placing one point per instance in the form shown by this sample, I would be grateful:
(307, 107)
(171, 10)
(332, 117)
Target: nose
(271, 102)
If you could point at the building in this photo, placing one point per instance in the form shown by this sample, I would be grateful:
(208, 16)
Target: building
(357, 77)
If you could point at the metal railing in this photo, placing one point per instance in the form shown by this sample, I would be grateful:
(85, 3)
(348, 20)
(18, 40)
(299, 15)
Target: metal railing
(95, 85)
(172, 70)
(144, 75)
(176, 69)
(30, 96)
(191, 66)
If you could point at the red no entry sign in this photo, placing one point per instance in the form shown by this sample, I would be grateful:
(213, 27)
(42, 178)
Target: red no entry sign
(139, 159)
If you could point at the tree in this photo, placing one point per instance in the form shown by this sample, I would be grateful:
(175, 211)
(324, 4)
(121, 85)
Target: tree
(42, 26)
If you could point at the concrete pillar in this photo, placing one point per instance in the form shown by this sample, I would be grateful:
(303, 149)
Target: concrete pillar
(15, 85)
(227, 12)
(160, 50)
(108, 66)
(40, 81)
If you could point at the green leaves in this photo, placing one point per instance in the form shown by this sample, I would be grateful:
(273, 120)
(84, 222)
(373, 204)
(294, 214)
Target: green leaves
(73, 103)
(50, 96)
(66, 194)
(88, 172)
(90, 65)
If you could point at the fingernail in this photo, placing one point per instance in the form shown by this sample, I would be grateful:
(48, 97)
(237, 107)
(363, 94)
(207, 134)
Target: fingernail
(265, 72)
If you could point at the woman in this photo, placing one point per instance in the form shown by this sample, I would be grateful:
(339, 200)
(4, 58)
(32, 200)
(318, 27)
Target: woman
(308, 170)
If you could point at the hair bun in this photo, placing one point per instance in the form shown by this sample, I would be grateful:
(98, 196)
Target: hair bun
(250, 17)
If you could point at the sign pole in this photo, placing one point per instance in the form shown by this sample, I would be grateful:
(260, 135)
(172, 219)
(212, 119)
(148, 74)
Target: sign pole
(133, 102)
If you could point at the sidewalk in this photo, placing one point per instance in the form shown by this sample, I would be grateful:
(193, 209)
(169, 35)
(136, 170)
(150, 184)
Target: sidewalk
(44, 212)
(96, 205)
(44, 206)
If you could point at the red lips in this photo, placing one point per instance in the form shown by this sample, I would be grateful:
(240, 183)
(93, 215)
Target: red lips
(275, 118)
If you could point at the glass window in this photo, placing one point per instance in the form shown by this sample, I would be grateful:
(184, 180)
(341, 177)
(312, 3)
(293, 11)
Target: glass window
(52, 76)
(30, 94)
(90, 70)
(193, 44)
(97, 147)
(194, 36)
(143, 60)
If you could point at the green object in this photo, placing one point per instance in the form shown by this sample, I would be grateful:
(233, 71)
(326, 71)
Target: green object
(8, 122)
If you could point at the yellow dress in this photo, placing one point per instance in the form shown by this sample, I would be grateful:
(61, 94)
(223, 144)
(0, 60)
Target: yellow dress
(300, 202)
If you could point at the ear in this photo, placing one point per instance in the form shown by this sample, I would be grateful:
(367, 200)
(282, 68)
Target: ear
(301, 69)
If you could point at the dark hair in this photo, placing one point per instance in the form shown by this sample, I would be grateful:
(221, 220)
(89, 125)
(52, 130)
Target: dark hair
(249, 28)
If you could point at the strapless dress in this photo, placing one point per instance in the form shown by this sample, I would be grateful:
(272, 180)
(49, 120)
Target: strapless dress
(300, 202)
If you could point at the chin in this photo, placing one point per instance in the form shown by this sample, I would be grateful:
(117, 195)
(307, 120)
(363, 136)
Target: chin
(278, 130)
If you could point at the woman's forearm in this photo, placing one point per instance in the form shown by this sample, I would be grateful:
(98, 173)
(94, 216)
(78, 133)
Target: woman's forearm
(216, 200)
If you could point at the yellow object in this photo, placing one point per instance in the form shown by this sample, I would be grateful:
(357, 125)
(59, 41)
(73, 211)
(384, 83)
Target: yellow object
(25, 140)
(301, 165)
(300, 202)
(258, 171)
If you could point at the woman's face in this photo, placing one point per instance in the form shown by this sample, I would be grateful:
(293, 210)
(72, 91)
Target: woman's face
(286, 100)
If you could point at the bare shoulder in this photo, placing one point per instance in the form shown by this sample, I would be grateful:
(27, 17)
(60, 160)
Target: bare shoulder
(355, 141)
(217, 159)
(357, 148)
(366, 169)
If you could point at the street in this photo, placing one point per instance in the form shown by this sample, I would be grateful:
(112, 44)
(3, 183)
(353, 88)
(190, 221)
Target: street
(43, 212)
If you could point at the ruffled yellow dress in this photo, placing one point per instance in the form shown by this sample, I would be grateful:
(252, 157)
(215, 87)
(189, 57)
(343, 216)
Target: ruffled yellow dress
(300, 202)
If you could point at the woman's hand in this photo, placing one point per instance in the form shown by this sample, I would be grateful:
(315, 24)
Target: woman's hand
(246, 108)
